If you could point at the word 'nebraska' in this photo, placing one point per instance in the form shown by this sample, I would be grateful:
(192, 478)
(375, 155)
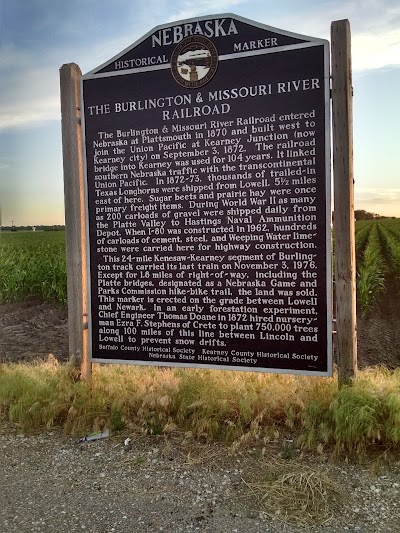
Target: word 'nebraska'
(209, 28)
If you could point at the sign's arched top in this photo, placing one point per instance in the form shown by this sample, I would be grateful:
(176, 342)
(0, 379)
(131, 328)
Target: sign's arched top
(229, 35)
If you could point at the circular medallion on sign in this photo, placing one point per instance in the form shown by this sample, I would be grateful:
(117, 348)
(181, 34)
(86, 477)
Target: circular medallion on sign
(194, 62)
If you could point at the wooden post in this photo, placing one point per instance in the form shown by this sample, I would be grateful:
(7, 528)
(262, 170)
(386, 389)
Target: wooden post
(345, 262)
(75, 227)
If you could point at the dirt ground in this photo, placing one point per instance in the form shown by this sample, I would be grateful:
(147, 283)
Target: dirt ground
(379, 332)
(31, 329)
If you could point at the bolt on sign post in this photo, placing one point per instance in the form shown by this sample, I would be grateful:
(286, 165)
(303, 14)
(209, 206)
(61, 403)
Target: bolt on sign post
(208, 199)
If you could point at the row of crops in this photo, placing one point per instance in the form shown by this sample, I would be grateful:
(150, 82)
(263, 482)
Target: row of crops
(377, 257)
(33, 264)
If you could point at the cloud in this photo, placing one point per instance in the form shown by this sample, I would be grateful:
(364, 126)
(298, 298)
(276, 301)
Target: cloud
(385, 201)
(29, 78)
(28, 89)
(189, 9)
(375, 28)
(378, 195)
(371, 51)
(374, 25)
(29, 97)
(4, 165)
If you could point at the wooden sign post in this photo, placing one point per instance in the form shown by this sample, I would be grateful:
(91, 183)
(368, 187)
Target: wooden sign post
(75, 234)
(345, 263)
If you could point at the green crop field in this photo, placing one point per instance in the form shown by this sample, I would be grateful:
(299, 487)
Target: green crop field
(32, 264)
(378, 259)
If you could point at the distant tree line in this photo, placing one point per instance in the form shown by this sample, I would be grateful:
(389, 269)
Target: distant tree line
(361, 214)
(33, 228)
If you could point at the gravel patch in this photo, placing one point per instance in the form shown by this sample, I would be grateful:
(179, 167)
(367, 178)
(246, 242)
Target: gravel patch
(51, 483)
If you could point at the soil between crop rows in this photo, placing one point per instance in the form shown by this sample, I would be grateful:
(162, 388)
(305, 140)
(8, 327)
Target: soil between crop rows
(32, 330)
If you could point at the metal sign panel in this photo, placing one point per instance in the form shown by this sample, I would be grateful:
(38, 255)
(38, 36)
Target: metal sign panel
(208, 199)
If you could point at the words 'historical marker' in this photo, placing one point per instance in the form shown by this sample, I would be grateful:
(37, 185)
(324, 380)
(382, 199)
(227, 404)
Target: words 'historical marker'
(207, 158)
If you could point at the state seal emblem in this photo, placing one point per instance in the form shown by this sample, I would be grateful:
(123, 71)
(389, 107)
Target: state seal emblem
(194, 61)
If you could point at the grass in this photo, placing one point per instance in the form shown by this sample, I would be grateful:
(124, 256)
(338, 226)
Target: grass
(232, 407)
(296, 494)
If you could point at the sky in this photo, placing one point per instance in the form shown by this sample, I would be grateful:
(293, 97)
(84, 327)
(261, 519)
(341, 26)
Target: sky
(38, 36)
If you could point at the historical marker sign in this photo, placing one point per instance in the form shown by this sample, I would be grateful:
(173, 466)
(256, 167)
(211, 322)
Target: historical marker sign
(207, 159)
